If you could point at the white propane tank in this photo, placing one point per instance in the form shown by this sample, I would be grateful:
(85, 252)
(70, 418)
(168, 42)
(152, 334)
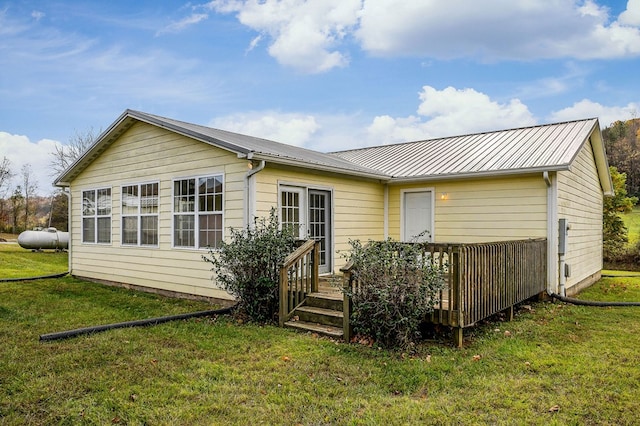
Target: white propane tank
(41, 239)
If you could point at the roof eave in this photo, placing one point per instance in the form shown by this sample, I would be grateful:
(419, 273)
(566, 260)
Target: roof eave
(318, 166)
(482, 174)
(600, 157)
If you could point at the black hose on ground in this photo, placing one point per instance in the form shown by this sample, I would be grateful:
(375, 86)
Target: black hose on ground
(591, 302)
(137, 323)
(40, 277)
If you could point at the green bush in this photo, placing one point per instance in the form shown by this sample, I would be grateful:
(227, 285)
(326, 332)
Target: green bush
(399, 286)
(248, 266)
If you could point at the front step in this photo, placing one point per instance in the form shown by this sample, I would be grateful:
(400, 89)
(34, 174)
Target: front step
(321, 313)
(327, 330)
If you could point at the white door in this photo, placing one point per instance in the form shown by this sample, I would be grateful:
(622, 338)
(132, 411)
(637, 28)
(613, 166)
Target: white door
(417, 216)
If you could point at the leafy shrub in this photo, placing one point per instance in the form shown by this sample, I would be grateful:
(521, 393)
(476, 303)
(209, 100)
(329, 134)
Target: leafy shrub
(248, 266)
(399, 286)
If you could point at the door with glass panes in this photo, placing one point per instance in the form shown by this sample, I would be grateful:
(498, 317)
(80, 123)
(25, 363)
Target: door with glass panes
(307, 212)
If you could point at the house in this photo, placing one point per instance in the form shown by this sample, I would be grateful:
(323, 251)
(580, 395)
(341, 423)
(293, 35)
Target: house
(152, 193)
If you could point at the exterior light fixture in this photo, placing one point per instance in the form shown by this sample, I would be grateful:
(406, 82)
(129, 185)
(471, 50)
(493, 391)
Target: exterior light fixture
(444, 196)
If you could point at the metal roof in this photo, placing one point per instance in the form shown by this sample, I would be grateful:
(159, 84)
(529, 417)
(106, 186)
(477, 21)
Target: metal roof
(551, 147)
(244, 146)
(537, 148)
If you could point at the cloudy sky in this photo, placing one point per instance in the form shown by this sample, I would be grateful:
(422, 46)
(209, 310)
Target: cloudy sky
(323, 74)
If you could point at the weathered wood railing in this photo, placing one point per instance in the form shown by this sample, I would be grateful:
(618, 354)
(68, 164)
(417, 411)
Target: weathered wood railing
(482, 279)
(298, 278)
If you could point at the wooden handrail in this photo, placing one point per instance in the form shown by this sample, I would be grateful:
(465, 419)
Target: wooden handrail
(299, 276)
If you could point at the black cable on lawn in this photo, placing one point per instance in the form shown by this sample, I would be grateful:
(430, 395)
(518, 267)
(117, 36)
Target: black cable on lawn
(591, 302)
(40, 277)
(137, 323)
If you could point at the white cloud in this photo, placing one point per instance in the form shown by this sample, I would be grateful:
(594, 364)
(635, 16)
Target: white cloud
(176, 27)
(20, 151)
(444, 112)
(606, 114)
(494, 30)
(313, 36)
(37, 15)
(304, 34)
(290, 128)
(451, 112)
(631, 16)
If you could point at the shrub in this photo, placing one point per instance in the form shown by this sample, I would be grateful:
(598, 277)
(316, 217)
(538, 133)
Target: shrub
(248, 266)
(399, 286)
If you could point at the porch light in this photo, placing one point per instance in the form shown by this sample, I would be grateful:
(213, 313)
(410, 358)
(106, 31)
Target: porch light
(444, 196)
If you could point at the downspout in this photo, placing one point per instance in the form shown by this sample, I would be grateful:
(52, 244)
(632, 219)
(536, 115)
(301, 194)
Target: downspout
(386, 211)
(552, 232)
(67, 191)
(247, 189)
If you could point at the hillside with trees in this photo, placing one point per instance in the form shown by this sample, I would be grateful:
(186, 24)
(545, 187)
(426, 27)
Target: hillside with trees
(622, 141)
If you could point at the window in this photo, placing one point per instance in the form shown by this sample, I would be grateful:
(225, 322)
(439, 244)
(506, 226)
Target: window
(140, 214)
(96, 216)
(292, 210)
(198, 212)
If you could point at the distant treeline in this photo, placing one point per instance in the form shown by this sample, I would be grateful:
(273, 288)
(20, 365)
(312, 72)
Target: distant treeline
(622, 141)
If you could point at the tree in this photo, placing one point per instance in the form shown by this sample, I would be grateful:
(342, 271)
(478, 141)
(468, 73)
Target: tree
(5, 179)
(30, 187)
(614, 232)
(59, 217)
(16, 202)
(65, 155)
(622, 142)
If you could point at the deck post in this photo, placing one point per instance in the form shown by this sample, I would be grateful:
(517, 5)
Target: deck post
(457, 336)
(284, 299)
(346, 307)
(316, 263)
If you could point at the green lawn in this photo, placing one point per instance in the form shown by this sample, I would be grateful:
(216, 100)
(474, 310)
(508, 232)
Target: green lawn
(16, 262)
(555, 364)
(632, 222)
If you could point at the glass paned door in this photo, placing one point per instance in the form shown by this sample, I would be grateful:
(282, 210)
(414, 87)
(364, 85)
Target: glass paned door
(320, 225)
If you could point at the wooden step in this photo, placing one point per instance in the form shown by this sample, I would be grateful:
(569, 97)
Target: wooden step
(327, 330)
(319, 315)
(325, 300)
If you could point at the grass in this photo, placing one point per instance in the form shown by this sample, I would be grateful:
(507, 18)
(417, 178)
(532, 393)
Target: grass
(17, 262)
(555, 364)
(632, 222)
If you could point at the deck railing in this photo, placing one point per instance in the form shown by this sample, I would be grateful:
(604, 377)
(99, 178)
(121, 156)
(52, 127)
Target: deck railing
(481, 279)
(298, 278)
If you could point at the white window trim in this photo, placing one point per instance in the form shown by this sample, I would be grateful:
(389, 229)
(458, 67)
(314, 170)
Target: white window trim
(195, 212)
(139, 215)
(432, 231)
(96, 216)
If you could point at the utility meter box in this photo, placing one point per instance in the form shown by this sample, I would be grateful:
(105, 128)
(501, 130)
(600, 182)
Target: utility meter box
(563, 231)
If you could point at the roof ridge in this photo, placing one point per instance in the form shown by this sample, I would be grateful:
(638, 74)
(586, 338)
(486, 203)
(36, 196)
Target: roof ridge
(465, 135)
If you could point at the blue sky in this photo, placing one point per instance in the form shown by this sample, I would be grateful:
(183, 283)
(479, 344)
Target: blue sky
(324, 74)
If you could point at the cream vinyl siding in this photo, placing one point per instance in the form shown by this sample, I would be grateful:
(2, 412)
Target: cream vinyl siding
(147, 153)
(358, 205)
(482, 210)
(580, 201)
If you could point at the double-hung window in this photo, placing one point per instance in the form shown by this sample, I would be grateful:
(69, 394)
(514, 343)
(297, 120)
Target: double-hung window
(140, 214)
(198, 212)
(96, 216)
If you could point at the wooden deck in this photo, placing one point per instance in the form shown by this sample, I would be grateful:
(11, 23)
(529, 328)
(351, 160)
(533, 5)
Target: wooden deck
(481, 280)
